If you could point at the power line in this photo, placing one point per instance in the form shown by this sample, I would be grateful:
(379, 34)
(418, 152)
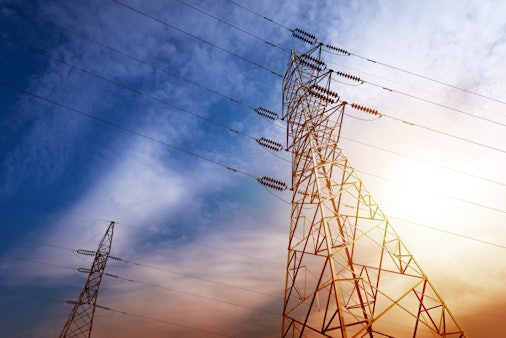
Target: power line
(443, 133)
(166, 322)
(218, 93)
(135, 91)
(423, 161)
(429, 78)
(123, 128)
(154, 268)
(347, 53)
(436, 104)
(34, 242)
(444, 195)
(199, 278)
(448, 232)
(259, 15)
(415, 88)
(38, 262)
(190, 294)
(176, 148)
(117, 311)
(144, 62)
(362, 81)
(239, 28)
(137, 227)
(196, 37)
(143, 283)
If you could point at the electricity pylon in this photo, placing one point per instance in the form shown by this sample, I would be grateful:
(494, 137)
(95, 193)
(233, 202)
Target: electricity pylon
(80, 321)
(348, 273)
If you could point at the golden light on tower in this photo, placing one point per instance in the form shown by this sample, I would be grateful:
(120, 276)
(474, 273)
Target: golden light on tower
(348, 273)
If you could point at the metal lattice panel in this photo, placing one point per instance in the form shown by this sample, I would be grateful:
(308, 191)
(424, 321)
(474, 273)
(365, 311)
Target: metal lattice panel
(80, 321)
(348, 273)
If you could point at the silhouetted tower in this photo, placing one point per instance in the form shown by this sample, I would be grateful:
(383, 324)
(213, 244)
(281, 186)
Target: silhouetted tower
(348, 273)
(80, 321)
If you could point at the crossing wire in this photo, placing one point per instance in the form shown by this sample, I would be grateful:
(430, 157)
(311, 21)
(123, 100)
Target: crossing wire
(18, 294)
(212, 90)
(239, 28)
(118, 84)
(123, 128)
(437, 193)
(371, 83)
(126, 279)
(413, 87)
(129, 56)
(433, 102)
(147, 15)
(374, 61)
(481, 205)
(422, 161)
(232, 286)
(140, 134)
(407, 122)
(174, 106)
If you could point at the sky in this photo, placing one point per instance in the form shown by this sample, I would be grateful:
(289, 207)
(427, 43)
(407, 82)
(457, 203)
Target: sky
(142, 113)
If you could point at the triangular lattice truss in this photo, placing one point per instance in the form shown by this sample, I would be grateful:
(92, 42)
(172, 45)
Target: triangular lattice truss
(348, 273)
(80, 321)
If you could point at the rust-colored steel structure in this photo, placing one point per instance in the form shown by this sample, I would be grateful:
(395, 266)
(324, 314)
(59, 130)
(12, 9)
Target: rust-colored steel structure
(348, 273)
(80, 321)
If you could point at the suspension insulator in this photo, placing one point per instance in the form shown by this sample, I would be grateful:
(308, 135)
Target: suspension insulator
(86, 252)
(84, 270)
(272, 183)
(351, 77)
(321, 96)
(311, 65)
(268, 114)
(304, 36)
(337, 49)
(276, 146)
(365, 109)
(325, 91)
(312, 58)
(312, 62)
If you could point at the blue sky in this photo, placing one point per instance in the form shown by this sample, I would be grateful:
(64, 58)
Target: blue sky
(219, 236)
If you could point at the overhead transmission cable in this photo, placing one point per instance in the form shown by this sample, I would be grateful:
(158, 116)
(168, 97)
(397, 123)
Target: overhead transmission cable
(421, 99)
(212, 90)
(17, 294)
(383, 115)
(233, 130)
(123, 128)
(142, 61)
(413, 87)
(423, 161)
(126, 279)
(262, 141)
(140, 228)
(165, 23)
(342, 51)
(269, 115)
(235, 26)
(90, 253)
(197, 278)
(436, 193)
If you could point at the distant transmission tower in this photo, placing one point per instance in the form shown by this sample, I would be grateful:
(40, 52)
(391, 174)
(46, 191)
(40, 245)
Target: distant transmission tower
(80, 321)
(348, 273)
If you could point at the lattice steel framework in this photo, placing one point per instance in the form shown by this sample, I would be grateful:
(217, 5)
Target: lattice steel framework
(80, 321)
(348, 273)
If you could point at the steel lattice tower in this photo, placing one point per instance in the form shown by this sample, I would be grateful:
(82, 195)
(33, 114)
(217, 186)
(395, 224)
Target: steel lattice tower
(80, 321)
(348, 273)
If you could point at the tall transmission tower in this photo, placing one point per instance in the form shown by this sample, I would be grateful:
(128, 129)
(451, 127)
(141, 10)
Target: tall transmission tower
(80, 321)
(348, 273)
